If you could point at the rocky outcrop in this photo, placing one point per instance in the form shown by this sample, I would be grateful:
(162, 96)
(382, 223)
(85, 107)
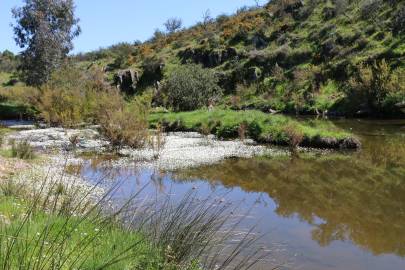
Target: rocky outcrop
(127, 80)
(208, 58)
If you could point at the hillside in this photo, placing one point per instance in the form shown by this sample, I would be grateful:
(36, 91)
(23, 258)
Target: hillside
(311, 56)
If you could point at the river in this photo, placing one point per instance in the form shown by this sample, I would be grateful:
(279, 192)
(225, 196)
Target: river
(320, 210)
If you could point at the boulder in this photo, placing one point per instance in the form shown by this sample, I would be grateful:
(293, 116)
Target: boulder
(259, 42)
(127, 80)
(208, 58)
(254, 73)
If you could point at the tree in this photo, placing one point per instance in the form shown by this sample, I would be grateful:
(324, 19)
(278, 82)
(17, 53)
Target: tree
(45, 30)
(173, 24)
(8, 62)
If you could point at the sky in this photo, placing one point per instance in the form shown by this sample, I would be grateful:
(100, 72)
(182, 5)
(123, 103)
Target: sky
(107, 22)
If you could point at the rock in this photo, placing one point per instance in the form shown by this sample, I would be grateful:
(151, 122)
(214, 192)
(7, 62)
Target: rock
(254, 73)
(259, 42)
(350, 143)
(127, 80)
(208, 58)
(190, 149)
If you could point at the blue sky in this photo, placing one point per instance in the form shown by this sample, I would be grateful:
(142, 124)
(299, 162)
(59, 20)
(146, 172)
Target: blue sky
(106, 22)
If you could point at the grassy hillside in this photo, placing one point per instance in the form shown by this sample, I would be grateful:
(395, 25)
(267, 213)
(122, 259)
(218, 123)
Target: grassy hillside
(304, 56)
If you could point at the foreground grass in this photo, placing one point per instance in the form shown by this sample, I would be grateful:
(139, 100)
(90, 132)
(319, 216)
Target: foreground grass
(261, 127)
(52, 220)
(49, 241)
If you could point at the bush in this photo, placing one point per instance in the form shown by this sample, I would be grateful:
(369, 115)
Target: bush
(375, 83)
(327, 96)
(21, 95)
(8, 62)
(66, 99)
(121, 123)
(190, 87)
(295, 136)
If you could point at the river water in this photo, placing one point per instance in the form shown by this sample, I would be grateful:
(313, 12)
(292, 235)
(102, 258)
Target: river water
(319, 210)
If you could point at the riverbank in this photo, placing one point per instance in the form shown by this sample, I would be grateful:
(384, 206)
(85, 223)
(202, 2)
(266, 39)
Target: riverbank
(178, 150)
(261, 127)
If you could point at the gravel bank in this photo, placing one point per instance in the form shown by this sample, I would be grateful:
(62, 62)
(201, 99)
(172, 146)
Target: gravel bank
(181, 149)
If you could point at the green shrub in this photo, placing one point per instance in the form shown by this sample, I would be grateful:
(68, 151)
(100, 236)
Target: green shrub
(376, 83)
(69, 97)
(189, 87)
(327, 96)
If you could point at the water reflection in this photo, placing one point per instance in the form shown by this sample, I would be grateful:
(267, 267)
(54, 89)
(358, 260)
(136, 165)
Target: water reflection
(345, 196)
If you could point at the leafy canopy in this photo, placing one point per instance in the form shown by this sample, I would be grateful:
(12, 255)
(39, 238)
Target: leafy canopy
(45, 30)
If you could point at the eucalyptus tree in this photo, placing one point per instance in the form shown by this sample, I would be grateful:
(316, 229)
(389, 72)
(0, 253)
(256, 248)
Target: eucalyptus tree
(44, 29)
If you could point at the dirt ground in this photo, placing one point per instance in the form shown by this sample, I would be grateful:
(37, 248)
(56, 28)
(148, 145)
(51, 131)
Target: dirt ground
(10, 166)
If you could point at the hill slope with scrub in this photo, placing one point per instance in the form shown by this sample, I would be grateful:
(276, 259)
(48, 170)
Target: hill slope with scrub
(341, 57)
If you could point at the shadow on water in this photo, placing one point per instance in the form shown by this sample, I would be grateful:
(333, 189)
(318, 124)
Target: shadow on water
(333, 210)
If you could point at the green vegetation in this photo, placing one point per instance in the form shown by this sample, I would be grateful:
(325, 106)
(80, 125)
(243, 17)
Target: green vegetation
(8, 63)
(277, 129)
(189, 87)
(22, 150)
(59, 242)
(44, 30)
(290, 55)
(124, 123)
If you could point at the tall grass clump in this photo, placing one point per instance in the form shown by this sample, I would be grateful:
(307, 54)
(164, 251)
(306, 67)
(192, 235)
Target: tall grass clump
(157, 141)
(22, 150)
(60, 223)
